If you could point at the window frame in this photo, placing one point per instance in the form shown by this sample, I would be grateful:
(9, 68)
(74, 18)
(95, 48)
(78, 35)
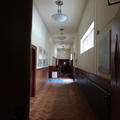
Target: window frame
(89, 33)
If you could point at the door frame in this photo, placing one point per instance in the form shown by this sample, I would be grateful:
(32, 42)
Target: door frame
(34, 82)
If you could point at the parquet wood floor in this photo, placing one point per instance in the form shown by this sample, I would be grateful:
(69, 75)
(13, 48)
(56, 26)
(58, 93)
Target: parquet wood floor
(60, 101)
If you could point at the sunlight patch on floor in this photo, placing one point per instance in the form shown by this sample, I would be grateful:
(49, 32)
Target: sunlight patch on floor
(61, 80)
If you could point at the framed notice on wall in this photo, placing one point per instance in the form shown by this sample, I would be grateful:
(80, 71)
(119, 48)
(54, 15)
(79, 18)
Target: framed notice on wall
(54, 61)
(40, 61)
(104, 52)
(44, 57)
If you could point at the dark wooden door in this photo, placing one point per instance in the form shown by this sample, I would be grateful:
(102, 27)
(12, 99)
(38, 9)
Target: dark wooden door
(115, 70)
(33, 72)
(66, 68)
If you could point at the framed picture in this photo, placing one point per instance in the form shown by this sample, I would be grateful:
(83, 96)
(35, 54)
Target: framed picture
(53, 61)
(46, 60)
(40, 61)
(104, 52)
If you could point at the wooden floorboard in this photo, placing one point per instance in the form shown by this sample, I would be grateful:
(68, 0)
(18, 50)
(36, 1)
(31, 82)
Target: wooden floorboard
(60, 101)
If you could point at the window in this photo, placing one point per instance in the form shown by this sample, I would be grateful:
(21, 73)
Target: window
(87, 40)
(71, 57)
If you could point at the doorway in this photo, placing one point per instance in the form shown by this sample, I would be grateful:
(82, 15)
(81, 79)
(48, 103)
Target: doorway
(33, 71)
(66, 68)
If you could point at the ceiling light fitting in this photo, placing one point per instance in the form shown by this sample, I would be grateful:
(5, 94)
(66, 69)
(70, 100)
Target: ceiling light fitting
(61, 37)
(61, 29)
(59, 16)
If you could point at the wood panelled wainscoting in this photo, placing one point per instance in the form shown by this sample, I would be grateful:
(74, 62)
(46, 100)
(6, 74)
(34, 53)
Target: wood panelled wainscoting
(100, 81)
(41, 76)
(97, 91)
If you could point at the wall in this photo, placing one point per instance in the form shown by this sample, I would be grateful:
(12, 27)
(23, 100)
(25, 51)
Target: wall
(86, 61)
(98, 98)
(53, 51)
(102, 14)
(41, 77)
(104, 19)
(40, 35)
(63, 53)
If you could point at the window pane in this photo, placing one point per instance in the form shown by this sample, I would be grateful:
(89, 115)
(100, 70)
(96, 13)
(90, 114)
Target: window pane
(87, 41)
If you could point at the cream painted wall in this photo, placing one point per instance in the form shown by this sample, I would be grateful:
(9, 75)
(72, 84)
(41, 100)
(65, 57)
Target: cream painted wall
(63, 53)
(40, 35)
(86, 61)
(52, 51)
(102, 14)
(104, 18)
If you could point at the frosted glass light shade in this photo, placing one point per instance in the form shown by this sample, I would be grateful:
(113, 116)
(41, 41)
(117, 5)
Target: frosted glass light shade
(59, 17)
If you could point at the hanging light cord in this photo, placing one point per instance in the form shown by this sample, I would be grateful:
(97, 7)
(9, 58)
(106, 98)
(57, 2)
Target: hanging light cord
(59, 9)
(59, 3)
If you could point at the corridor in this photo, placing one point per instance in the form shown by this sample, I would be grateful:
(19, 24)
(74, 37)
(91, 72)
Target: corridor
(64, 59)
(60, 101)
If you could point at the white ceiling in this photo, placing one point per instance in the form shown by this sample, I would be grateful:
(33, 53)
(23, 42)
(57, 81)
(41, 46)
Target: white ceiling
(63, 46)
(72, 8)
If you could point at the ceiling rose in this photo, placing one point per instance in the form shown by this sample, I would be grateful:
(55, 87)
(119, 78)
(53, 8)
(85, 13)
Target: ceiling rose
(59, 16)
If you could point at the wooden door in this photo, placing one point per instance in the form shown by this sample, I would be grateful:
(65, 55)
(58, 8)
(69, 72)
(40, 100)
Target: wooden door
(115, 70)
(33, 72)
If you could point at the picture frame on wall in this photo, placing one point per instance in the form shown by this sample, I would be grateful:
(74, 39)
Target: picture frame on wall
(40, 52)
(54, 61)
(44, 57)
(104, 52)
(46, 60)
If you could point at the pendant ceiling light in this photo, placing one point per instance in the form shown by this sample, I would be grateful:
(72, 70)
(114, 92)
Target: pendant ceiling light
(59, 17)
(61, 37)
